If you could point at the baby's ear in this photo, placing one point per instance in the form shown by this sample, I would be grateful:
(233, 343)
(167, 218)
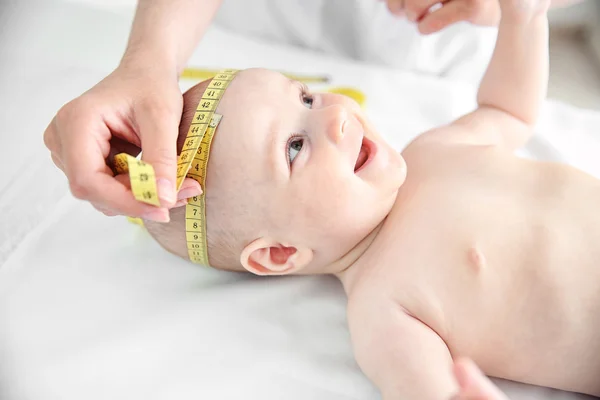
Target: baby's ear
(265, 256)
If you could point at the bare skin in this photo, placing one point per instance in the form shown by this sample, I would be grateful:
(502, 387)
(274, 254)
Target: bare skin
(139, 104)
(454, 248)
(484, 255)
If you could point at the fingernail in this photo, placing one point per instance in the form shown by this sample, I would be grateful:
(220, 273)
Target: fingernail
(180, 203)
(189, 192)
(166, 191)
(157, 215)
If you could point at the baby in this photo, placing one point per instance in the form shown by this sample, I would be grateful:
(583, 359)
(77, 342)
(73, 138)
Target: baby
(453, 248)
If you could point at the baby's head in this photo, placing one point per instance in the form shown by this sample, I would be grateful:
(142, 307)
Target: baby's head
(294, 180)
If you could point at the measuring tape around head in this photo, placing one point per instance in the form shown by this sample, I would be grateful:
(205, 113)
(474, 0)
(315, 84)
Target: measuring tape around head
(193, 162)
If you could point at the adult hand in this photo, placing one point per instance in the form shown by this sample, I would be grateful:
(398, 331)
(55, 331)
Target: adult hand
(446, 12)
(138, 106)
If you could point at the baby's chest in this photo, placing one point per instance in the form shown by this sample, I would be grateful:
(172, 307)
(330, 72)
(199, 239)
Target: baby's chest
(474, 267)
(460, 224)
(453, 256)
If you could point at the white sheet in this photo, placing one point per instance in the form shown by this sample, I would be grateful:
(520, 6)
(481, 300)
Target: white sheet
(91, 308)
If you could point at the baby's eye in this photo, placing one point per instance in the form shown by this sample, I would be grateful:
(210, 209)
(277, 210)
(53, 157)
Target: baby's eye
(307, 100)
(294, 148)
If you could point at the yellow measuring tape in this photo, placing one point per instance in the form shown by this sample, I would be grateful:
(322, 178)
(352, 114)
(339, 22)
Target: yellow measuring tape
(141, 175)
(357, 95)
(193, 162)
(203, 73)
(142, 178)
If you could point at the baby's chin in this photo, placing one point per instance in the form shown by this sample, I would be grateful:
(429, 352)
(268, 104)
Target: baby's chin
(398, 169)
(389, 173)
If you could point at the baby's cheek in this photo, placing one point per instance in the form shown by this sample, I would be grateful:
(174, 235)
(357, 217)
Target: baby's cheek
(324, 199)
(332, 209)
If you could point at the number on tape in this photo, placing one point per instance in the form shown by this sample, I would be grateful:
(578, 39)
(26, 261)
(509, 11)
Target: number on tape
(141, 176)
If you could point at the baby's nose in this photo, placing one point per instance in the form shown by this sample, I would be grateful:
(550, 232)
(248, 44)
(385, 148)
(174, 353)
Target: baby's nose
(335, 117)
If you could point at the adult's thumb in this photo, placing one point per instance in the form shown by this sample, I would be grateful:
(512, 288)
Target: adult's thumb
(158, 130)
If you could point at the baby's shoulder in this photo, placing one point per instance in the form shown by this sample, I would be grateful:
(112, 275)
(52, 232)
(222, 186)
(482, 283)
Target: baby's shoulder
(436, 148)
(450, 138)
(479, 130)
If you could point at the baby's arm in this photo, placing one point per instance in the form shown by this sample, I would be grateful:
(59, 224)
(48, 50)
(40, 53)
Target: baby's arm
(515, 83)
(401, 355)
(516, 79)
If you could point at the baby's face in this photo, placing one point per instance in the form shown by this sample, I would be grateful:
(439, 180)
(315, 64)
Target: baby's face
(308, 169)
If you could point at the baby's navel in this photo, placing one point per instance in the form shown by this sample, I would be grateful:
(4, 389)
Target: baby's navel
(476, 258)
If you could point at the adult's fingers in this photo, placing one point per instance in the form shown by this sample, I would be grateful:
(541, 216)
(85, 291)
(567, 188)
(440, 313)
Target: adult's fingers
(158, 129)
(89, 176)
(50, 137)
(123, 179)
(53, 144)
(189, 188)
(122, 197)
(106, 211)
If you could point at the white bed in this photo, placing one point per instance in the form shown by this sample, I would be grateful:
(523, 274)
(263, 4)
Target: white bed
(91, 308)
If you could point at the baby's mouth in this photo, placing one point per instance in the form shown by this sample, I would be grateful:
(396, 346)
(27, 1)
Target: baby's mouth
(363, 155)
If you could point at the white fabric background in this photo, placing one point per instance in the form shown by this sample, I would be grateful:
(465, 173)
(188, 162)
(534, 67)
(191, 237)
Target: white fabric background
(91, 308)
(363, 30)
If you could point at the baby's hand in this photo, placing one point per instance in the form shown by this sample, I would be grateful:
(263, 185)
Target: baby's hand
(478, 12)
(474, 385)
